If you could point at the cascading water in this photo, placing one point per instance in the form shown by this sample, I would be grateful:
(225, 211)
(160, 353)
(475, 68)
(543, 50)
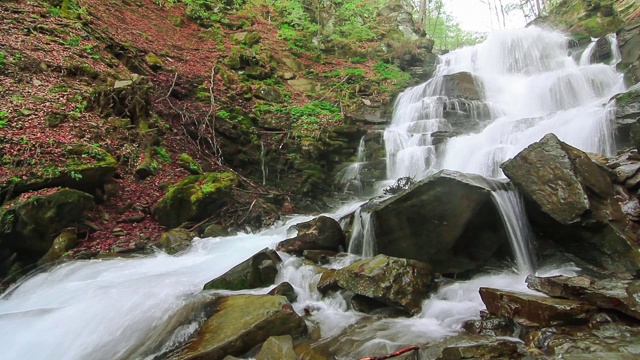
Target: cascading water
(530, 87)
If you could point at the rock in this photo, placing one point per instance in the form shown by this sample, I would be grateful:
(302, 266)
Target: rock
(462, 85)
(194, 198)
(304, 85)
(153, 61)
(572, 203)
(365, 304)
(238, 324)
(268, 93)
(497, 349)
(535, 310)
(257, 72)
(615, 294)
(260, 270)
(397, 282)
(562, 180)
(64, 242)
(285, 289)
(490, 326)
(328, 282)
(28, 226)
(277, 348)
(447, 220)
(319, 256)
(186, 162)
(627, 118)
(292, 64)
(247, 38)
(321, 233)
(214, 230)
(176, 240)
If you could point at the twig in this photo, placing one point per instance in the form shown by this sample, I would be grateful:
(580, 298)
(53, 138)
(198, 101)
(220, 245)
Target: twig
(334, 86)
(393, 354)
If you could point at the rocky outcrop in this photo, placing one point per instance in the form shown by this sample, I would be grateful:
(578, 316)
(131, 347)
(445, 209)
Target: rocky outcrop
(238, 324)
(573, 204)
(258, 271)
(321, 233)
(535, 310)
(614, 294)
(627, 118)
(393, 281)
(194, 198)
(462, 85)
(447, 220)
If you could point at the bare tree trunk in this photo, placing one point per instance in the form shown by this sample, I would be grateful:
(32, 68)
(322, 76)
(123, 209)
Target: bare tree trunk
(495, 6)
(435, 24)
(538, 8)
(423, 11)
(504, 17)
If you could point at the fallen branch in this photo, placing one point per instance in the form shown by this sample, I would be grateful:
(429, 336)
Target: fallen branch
(393, 354)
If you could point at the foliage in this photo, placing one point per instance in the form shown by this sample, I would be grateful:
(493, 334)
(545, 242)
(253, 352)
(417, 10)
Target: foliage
(3, 60)
(3, 122)
(389, 72)
(444, 30)
(309, 117)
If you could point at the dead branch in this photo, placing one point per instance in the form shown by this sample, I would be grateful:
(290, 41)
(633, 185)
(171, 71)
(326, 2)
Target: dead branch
(393, 354)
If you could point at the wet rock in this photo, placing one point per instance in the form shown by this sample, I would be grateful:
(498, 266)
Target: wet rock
(321, 233)
(615, 294)
(462, 85)
(447, 220)
(397, 282)
(328, 282)
(260, 270)
(319, 256)
(285, 289)
(277, 348)
(64, 242)
(365, 304)
(490, 326)
(238, 324)
(176, 240)
(535, 310)
(194, 198)
(572, 203)
(498, 349)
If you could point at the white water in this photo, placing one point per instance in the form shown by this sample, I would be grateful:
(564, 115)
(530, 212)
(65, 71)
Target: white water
(107, 309)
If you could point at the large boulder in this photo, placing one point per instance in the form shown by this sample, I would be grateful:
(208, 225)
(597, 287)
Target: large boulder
(397, 282)
(194, 198)
(447, 220)
(571, 202)
(535, 310)
(238, 324)
(277, 348)
(29, 225)
(615, 294)
(321, 233)
(260, 270)
(627, 117)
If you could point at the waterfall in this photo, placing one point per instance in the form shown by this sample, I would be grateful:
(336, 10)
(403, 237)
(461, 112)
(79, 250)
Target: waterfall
(110, 309)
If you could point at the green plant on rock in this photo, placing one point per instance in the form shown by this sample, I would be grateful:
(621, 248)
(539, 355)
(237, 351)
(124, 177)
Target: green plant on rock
(162, 154)
(73, 41)
(3, 60)
(3, 121)
(389, 72)
(75, 175)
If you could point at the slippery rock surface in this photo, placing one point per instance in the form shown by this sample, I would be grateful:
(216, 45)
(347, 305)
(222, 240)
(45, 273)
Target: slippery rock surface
(176, 240)
(447, 220)
(535, 310)
(615, 294)
(321, 233)
(397, 282)
(238, 324)
(462, 85)
(572, 203)
(257, 271)
(277, 348)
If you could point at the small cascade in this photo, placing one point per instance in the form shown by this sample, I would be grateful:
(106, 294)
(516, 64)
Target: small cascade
(362, 240)
(511, 207)
(349, 177)
(585, 58)
(616, 55)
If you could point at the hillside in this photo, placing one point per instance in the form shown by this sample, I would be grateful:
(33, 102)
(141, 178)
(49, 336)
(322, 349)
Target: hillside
(121, 99)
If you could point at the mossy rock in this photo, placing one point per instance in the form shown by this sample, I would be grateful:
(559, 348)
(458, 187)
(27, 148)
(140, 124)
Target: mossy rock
(194, 198)
(176, 240)
(64, 242)
(29, 225)
(186, 162)
(153, 61)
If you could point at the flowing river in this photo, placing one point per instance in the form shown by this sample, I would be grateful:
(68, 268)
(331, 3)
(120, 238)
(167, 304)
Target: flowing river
(530, 85)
